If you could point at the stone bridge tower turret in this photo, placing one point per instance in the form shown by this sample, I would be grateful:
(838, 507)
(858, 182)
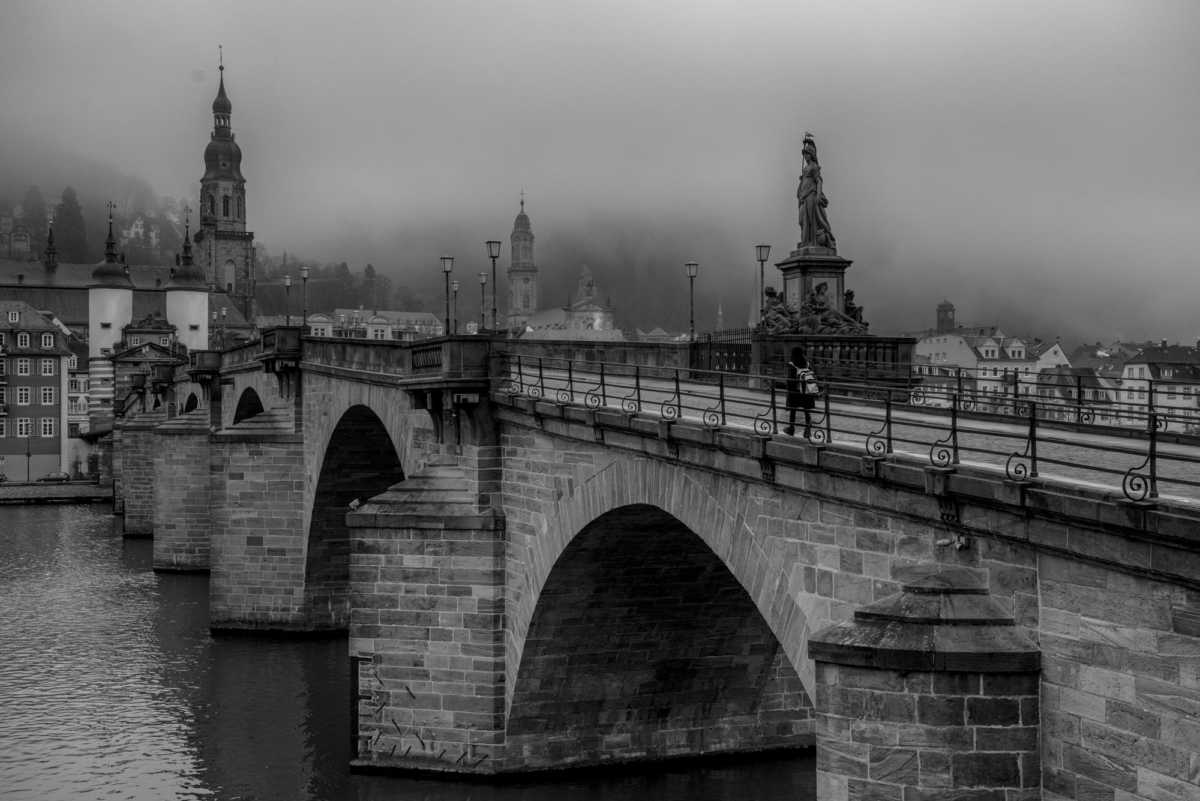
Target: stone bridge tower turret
(522, 273)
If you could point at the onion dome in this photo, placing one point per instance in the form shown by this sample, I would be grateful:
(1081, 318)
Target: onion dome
(222, 157)
(522, 221)
(222, 105)
(110, 272)
(187, 275)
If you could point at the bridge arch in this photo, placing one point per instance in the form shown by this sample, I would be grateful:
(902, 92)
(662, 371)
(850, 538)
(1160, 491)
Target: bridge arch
(360, 461)
(644, 643)
(191, 403)
(249, 404)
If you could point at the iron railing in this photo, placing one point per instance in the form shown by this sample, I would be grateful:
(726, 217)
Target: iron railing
(1025, 437)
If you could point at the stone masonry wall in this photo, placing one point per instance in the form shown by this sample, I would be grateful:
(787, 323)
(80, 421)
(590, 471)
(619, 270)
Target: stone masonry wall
(258, 538)
(183, 510)
(882, 734)
(1121, 692)
(139, 444)
(426, 623)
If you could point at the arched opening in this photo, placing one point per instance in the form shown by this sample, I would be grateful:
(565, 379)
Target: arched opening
(643, 645)
(248, 405)
(360, 462)
(191, 403)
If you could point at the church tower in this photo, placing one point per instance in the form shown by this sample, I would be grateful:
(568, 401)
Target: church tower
(226, 248)
(522, 273)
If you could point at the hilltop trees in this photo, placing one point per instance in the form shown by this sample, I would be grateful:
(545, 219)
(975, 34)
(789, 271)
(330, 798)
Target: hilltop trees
(70, 234)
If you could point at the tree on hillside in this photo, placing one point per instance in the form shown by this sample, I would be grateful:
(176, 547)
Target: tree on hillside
(33, 207)
(70, 234)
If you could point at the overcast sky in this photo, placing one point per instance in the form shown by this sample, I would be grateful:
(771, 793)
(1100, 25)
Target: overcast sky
(1032, 162)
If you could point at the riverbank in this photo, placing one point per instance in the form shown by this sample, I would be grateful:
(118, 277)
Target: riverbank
(70, 492)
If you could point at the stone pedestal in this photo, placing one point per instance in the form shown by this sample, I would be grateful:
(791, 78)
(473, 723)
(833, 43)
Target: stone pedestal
(182, 495)
(426, 626)
(806, 268)
(929, 694)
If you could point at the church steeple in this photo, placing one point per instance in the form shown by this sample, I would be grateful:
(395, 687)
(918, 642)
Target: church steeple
(225, 248)
(522, 272)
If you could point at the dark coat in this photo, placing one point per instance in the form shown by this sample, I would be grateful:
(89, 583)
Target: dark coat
(796, 397)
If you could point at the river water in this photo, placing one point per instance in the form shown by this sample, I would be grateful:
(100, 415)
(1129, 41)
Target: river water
(112, 688)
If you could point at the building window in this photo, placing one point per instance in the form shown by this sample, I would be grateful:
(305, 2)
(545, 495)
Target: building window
(24, 395)
(73, 385)
(239, 207)
(22, 366)
(135, 340)
(3, 428)
(164, 341)
(105, 326)
(22, 340)
(14, 317)
(47, 396)
(47, 340)
(24, 426)
(3, 395)
(3, 367)
(212, 204)
(225, 206)
(47, 426)
(47, 366)
(73, 363)
(73, 429)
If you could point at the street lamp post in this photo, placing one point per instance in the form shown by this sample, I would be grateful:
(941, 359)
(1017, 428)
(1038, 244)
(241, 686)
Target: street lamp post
(763, 252)
(493, 247)
(454, 307)
(692, 268)
(287, 299)
(447, 268)
(304, 306)
(482, 313)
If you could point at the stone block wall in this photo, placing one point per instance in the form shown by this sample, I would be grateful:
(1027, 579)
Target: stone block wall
(138, 447)
(426, 627)
(1121, 692)
(903, 736)
(183, 494)
(258, 537)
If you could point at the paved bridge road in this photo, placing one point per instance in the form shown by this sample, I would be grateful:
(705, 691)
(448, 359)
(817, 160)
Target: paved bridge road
(1087, 458)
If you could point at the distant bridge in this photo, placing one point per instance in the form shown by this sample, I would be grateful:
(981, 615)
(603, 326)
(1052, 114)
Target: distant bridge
(556, 554)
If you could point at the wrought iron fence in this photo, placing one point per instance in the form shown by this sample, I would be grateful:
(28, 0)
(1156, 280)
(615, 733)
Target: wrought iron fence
(1024, 435)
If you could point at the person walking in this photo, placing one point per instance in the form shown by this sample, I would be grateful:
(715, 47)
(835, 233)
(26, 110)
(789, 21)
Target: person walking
(801, 392)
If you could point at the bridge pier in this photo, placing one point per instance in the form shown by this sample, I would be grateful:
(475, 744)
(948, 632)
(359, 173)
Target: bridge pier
(932, 694)
(183, 494)
(426, 627)
(135, 446)
(258, 535)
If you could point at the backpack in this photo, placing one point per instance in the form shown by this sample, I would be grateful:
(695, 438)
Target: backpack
(808, 381)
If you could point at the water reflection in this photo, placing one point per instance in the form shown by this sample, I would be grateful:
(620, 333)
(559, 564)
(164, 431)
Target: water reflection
(112, 688)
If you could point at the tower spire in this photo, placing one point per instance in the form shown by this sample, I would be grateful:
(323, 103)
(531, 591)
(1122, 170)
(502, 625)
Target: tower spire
(110, 243)
(51, 251)
(187, 237)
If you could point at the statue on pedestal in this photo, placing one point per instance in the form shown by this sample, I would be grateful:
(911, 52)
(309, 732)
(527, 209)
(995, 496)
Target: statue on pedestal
(814, 223)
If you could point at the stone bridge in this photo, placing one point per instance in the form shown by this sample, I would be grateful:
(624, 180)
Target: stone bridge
(530, 584)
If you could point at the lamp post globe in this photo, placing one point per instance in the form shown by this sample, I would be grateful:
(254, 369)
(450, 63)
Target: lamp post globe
(287, 299)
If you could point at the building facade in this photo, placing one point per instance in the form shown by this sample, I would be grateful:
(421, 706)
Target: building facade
(33, 393)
